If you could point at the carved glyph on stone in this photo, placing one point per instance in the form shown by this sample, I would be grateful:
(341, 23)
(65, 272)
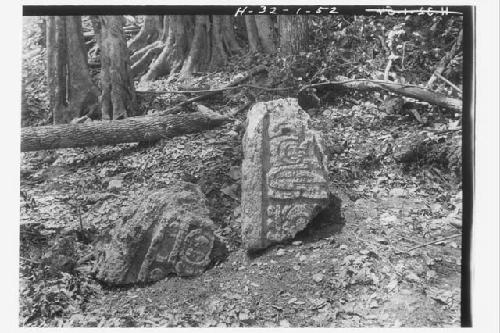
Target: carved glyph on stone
(284, 183)
(168, 233)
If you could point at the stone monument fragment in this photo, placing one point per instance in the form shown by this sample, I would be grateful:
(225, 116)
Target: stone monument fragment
(169, 232)
(284, 174)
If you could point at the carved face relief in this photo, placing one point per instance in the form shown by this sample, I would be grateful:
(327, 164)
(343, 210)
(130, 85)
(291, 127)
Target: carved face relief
(197, 246)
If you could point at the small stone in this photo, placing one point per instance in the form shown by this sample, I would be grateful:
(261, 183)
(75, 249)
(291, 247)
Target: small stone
(436, 208)
(398, 192)
(302, 258)
(104, 172)
(318, 277)
(431, 274)
(382, 241)
(343, 247)
(284, 323)
(235, 172)
(115, 184)
(373, 304)
(412, 277)
(280, 252)
(387, 219)
(296, 267)
(243, 316)
(232, 133)
(393, 284)
(297, 243)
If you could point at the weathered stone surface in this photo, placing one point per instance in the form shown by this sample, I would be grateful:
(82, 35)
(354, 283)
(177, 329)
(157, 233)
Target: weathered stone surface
(169, 232)
(284, 174)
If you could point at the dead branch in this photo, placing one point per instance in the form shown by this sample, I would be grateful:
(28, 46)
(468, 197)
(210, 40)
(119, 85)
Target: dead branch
(448, 82)
(443, 63)
(412, 91)
(216, 90)
(433, 242)
(234, 83)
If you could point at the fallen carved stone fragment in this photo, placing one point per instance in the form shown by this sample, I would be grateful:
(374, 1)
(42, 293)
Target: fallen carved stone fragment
(284, 174)
(169, 232)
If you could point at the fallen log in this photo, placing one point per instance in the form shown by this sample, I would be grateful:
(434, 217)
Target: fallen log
(422, 94)
(134, 129)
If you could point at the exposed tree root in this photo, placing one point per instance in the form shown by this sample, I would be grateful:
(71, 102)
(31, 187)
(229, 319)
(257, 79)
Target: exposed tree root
(150, 32)
(144, 57)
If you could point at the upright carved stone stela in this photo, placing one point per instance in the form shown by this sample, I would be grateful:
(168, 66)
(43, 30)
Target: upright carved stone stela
(284, 181)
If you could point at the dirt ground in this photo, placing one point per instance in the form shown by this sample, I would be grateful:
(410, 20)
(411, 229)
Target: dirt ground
(364, 275)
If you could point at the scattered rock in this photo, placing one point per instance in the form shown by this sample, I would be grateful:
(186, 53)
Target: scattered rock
(398, 192)
(382, 241)
(168, 232)
(284, 323)
(436, 208)
(343, 247)
(412, 277)
(115, 184)
(393, 284)
(388, 219)
(284, 174)
(231, 191)
(280, 252)
(235, 172)
(297, 243)
(318, 277)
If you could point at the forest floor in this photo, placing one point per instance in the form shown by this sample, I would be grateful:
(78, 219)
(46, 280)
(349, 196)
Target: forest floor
(379, 270)
(364, 275)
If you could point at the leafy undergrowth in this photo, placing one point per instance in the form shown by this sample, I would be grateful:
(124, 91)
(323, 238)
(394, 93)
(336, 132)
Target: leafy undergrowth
(379, 270)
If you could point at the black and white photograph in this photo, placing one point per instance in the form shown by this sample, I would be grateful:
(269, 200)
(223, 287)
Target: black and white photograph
(252, 166)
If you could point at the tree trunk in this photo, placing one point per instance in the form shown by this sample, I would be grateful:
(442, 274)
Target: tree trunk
(197, 58)
(193, 43)
(228, 35)
(117, 96)
(98, 133)
(293, 32)
(253, 34)
(71, 90)
(51, 60)
(218, 56)
(149, 33)
(175, 50)
(265, 28)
